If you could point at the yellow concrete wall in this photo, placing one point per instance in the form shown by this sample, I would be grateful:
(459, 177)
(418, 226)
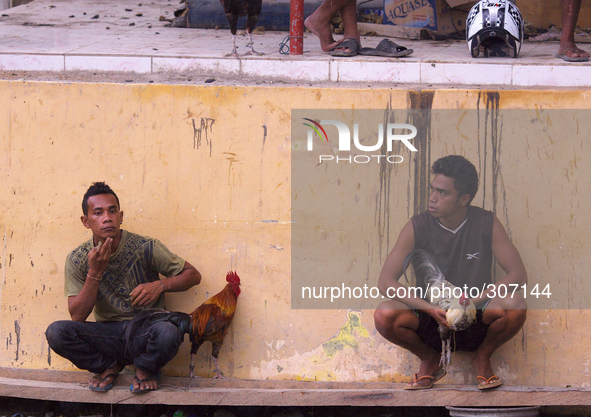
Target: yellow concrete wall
(207, 171)
(543, 13)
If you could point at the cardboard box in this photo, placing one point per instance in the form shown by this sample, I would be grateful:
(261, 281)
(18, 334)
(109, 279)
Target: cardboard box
(435, 15)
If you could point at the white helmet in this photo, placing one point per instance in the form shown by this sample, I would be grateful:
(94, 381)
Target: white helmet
(497, 26)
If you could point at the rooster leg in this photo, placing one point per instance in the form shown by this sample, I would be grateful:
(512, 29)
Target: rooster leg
(444, 336)
(215, 352)
(234, 52)
(218, 373)
(194, 348)
(250, 44)
(251, 21)
(448, 352)
(232, 18)
(192, 367)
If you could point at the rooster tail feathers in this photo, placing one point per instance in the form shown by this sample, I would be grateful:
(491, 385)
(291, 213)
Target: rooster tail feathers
(425, 267)
(200, 318)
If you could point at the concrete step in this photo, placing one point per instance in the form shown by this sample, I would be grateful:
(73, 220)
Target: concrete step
(73, 387)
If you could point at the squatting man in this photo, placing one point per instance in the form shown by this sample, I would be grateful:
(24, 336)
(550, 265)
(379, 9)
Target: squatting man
(463, 240)
(116, 273)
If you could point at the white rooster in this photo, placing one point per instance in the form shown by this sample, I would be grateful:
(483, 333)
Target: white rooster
(460, 312)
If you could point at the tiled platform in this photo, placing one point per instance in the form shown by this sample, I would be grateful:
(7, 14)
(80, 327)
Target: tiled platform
(62, 35)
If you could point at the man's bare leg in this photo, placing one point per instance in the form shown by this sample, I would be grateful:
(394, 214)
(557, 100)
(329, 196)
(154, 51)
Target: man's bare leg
(398, 324)
(319, 22)
(349, 16)
(570, 14)
(505, 318)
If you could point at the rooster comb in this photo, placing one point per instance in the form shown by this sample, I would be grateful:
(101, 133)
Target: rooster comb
(232, 277)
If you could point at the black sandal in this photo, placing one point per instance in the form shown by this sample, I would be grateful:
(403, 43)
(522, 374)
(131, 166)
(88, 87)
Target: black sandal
(139, 382)
(348, 43)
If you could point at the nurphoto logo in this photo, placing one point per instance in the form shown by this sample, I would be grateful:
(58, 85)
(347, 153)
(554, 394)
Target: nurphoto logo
(345, 141)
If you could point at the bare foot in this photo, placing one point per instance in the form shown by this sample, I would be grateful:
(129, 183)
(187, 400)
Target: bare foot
(428, 367)
(105, 378)
(570, 50)
(323, 32)
(345, 48)
(144, 381)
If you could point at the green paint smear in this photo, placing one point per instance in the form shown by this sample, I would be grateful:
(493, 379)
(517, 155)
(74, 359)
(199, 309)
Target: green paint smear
(346, 336)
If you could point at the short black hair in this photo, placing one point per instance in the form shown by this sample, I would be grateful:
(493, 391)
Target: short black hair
(462, 171)
(95, 189)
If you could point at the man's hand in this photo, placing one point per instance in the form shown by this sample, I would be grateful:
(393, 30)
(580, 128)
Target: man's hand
(147, 293)
(80, 306)
(439, 315)
(98, 258)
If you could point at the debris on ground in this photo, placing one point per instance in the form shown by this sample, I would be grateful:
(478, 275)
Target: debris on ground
(553, 35)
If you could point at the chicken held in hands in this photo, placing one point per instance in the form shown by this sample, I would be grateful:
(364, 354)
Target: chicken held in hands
(460, 311)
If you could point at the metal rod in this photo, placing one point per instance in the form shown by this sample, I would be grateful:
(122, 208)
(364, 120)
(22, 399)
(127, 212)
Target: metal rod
(296, 27)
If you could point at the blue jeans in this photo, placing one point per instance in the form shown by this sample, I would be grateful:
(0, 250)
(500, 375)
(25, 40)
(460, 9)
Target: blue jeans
(99, 346)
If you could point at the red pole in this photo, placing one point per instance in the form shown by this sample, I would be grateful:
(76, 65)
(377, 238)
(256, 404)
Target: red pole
(296, 27)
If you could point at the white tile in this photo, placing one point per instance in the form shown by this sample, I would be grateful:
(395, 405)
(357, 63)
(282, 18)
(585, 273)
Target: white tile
(288, 69)
(26, 62)
(466, 73)
(109, 63)
(390, 70)
(7, 38)
(38, 35)
(571, 75)
(225, 66)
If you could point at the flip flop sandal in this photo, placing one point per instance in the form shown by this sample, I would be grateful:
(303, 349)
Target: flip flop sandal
(103, 389)
(432, 380)
(387, 48)
(572, 58)
(139, 382)
(348, 43)
(488, 383)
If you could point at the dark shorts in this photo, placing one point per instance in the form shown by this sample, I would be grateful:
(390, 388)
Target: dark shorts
(467, 340)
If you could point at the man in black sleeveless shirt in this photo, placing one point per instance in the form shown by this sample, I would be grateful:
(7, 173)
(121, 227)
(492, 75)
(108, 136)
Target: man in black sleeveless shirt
(463, 240)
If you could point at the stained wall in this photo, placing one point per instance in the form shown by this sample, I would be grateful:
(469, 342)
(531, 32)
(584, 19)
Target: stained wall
(207, 170)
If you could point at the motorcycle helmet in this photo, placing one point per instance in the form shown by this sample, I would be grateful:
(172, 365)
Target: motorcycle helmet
(496, 27)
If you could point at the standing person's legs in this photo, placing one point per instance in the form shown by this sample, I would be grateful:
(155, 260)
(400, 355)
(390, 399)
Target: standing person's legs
(568, 50)
(319, 22)
(96, 347)
(349, 15)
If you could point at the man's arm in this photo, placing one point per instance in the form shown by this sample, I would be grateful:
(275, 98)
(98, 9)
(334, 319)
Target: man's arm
(149, 292)
(392, 270)
(508, 258)
(80, 306)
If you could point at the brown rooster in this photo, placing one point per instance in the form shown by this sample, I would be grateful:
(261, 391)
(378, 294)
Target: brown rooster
(210, 321)
(237, 8)
(460, 312)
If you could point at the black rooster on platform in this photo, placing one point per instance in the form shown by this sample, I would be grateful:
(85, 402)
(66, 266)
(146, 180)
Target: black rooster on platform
(238, 8)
